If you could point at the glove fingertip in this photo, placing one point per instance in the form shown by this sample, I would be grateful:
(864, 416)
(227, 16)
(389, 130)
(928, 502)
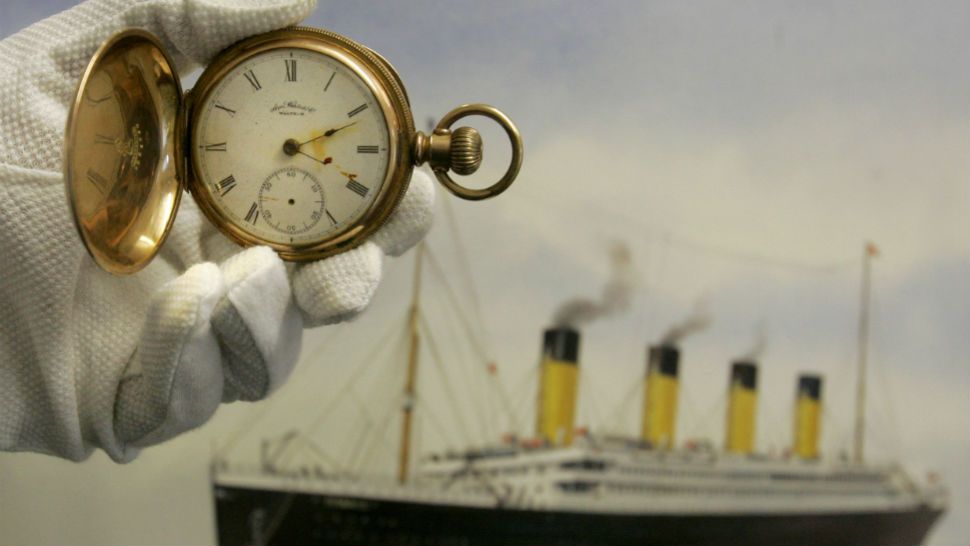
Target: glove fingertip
(412, 219)
(338, 288)
(245, 262)
(194, 292)
(202, 28)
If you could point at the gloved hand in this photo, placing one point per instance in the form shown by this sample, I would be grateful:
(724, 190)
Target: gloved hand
(89, 360)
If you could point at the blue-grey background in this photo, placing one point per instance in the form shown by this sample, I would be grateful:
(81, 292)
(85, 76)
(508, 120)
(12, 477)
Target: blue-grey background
(743, 150)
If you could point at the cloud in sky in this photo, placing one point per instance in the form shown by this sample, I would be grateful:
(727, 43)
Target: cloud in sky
(745, 151)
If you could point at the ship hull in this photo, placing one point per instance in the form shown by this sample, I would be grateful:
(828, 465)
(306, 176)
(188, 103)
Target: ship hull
(261, 517)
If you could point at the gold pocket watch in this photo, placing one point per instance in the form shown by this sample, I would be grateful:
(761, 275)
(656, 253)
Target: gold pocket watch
(300, 139)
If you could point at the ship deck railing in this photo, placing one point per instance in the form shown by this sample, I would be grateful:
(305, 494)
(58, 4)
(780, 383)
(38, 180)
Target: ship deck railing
(314, 480)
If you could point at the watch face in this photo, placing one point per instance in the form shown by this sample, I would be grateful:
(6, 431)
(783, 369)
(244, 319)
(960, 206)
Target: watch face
(290, 147)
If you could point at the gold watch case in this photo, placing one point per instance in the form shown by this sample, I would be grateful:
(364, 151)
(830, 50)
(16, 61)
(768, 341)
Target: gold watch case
(130, 99)
(382, 81)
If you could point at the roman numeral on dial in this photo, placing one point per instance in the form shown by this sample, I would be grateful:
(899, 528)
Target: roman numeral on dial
(253, 214)
(357, 110)
(216, 147)
(226, 184)
(290, 69)
(99, 181)
(357, 187)
(253, 80)
(228, 110)
(366, 149)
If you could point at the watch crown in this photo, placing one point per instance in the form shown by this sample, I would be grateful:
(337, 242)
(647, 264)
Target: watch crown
(459, 150)
(466, 150)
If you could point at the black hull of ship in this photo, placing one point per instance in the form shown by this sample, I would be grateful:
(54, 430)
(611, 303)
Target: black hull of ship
(260, 517)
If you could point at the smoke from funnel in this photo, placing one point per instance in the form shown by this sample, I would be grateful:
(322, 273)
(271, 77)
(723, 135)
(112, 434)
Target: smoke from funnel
(758, 346)
(615, 298)
(697, 321)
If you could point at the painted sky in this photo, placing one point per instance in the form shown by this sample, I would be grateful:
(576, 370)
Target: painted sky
(744, 151)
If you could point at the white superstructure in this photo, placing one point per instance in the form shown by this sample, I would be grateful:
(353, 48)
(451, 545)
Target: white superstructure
(624, 478)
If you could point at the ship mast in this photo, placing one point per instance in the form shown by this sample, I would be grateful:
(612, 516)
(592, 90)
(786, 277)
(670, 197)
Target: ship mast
(414, 318)
(868, 253)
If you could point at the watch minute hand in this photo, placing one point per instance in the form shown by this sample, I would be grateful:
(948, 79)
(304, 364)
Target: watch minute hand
(328, 132)
(332, 131)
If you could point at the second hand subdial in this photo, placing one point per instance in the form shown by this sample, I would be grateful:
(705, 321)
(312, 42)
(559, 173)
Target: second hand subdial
(292, 201)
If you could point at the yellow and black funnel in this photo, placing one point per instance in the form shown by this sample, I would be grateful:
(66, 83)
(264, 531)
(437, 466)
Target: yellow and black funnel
(742, 408)
(559, 372)
(808, 410)
(660, 396)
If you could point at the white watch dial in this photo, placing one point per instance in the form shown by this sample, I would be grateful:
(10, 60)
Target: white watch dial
(291, 146)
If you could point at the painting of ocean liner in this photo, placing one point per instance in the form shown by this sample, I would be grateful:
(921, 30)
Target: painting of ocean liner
(571, 486)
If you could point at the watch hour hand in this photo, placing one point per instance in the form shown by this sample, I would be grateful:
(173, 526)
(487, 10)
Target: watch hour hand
(324, 161)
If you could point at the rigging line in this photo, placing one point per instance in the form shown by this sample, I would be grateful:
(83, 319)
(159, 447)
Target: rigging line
(418, 442)
(382, 437)
(439, 426)
(514, 417)
(834, 432)
(452, 297)
(524, 405)
(474, 376)
(692, 419)
(259, 411)
(464, 367)
(394, 403)
(650, 285)
(595, 415)
(714, 409)
(369, 424)
(466, 271)
(763, 259)
(885, 381)
(619, 415)
(291, 450)
(529, 387)
(521, 387)
(838, 387)
(382, 444)
(362, 435)
(287, 451)
(706, 248)
(772, 425)
(469, 363)
(316, 448)
(449, 391)
(354, 377)
(480, 345)
(841, 433)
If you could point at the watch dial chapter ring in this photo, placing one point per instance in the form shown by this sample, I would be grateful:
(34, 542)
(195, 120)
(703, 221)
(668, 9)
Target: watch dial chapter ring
(515, 139)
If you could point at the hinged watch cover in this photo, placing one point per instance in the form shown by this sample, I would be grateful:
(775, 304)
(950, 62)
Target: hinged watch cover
(123, 161)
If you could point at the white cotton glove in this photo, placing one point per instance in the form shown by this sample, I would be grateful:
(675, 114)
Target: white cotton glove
(88, 360)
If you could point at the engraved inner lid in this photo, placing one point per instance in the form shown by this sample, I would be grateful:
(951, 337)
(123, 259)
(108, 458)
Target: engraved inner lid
(122, 165)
